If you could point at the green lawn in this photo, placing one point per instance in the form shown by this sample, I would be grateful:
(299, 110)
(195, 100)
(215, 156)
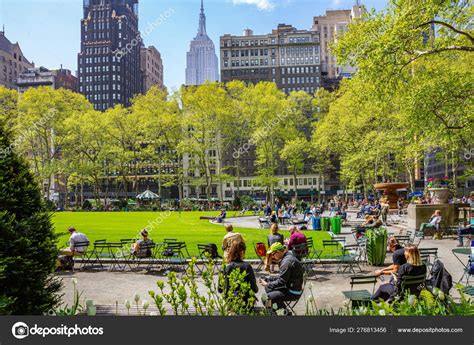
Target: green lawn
(185, 226)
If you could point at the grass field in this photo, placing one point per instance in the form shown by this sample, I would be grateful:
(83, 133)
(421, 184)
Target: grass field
(184, 226)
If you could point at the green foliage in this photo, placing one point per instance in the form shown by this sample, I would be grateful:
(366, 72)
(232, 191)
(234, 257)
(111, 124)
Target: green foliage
(184, 297)
(427, 304)
(27, 241)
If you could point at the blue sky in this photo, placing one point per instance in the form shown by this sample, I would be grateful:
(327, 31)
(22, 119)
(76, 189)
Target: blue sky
(49, 30)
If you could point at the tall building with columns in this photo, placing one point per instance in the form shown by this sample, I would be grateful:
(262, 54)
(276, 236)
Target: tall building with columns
(201, 63)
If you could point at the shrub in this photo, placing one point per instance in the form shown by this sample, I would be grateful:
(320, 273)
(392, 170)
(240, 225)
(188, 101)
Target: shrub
(27, 241)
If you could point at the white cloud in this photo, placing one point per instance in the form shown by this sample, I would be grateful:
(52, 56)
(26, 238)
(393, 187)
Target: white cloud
(266, 5)
(336, 3)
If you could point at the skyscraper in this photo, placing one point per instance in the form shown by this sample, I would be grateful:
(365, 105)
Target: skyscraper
(202, 63)
(109, 60)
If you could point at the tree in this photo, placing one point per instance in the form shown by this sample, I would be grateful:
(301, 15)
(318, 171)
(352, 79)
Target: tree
(125, 130)
(27, 240)
(294, 154)
(86, 149)
(204, 108)
(39, 128)
(163, 131)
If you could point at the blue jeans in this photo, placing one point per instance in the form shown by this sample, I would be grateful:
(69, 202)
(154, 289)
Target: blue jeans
(464, 232)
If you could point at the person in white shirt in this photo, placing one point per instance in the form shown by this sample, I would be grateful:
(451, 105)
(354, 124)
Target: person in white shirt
(75, 239)
(434, 222)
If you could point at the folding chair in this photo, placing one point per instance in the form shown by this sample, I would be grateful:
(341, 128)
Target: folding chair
(349, 259)
(293, 303)
(403, 239)
(173, 255)
(469, 290)
(90, 257)
(104, 250)
(264, 223)
(418, 282)
(208, 252)
(428, 257)
(260, 258)
(84, 246)
(360, 297)
(312, 252)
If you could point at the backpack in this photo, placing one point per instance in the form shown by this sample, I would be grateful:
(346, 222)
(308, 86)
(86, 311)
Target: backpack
(66, 263)
(261, 249)
(440, 277)
(214, 254)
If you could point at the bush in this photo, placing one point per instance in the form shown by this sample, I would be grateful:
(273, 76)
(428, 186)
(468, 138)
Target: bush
(27, 241)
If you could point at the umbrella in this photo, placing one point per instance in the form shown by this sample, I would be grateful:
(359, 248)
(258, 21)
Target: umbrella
(417, 194)
(147, 195)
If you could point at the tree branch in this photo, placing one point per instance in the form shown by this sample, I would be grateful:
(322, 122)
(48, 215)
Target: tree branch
(449, 26)
(437, 50)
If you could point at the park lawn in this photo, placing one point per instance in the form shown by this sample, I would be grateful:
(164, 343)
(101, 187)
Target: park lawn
(184, 226)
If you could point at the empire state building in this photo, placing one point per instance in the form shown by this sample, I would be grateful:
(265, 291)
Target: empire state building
(201, 64)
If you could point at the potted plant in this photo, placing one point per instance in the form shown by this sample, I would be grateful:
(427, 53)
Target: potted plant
(438, 189)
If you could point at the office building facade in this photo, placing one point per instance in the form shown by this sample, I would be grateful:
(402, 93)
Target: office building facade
(288, 57)
(12, 62)
(152, 68)
(109, 60)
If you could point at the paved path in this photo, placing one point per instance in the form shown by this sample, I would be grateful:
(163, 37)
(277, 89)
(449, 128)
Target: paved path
(107, 288)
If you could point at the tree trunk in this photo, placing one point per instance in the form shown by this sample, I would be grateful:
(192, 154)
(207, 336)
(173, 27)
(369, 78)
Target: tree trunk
(296, 185)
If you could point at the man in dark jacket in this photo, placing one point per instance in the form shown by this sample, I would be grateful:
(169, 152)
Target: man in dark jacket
(288, 285)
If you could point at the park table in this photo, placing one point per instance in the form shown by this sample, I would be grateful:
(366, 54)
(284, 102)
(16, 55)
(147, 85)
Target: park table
(460, 252)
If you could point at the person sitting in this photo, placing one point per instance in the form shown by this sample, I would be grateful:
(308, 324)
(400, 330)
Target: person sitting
(229, 238)
(296, 237)
(288, 285)
(75, 238)
(434, 222)
(467, 231)
(412, 267)
(140, 248)
(235, 260)
(220, 218)
(398, 258)
(275, 236)
(273, 218)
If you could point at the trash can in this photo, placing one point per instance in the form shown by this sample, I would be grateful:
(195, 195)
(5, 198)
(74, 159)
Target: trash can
(316, 223)
(336, 225)
(376, 246)
(325, 224)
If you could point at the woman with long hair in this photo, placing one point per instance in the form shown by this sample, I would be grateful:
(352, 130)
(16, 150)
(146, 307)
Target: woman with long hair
(413, 267)
(235, 260)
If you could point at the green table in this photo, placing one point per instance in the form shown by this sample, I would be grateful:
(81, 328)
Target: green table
(458, 252)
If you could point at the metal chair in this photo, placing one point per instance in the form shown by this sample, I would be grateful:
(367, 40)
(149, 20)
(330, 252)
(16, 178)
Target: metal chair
(208, 253)
(261, 259)
(416, 282)
(360, 297)
(83, 246)
(174, 255)
(291, 305)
